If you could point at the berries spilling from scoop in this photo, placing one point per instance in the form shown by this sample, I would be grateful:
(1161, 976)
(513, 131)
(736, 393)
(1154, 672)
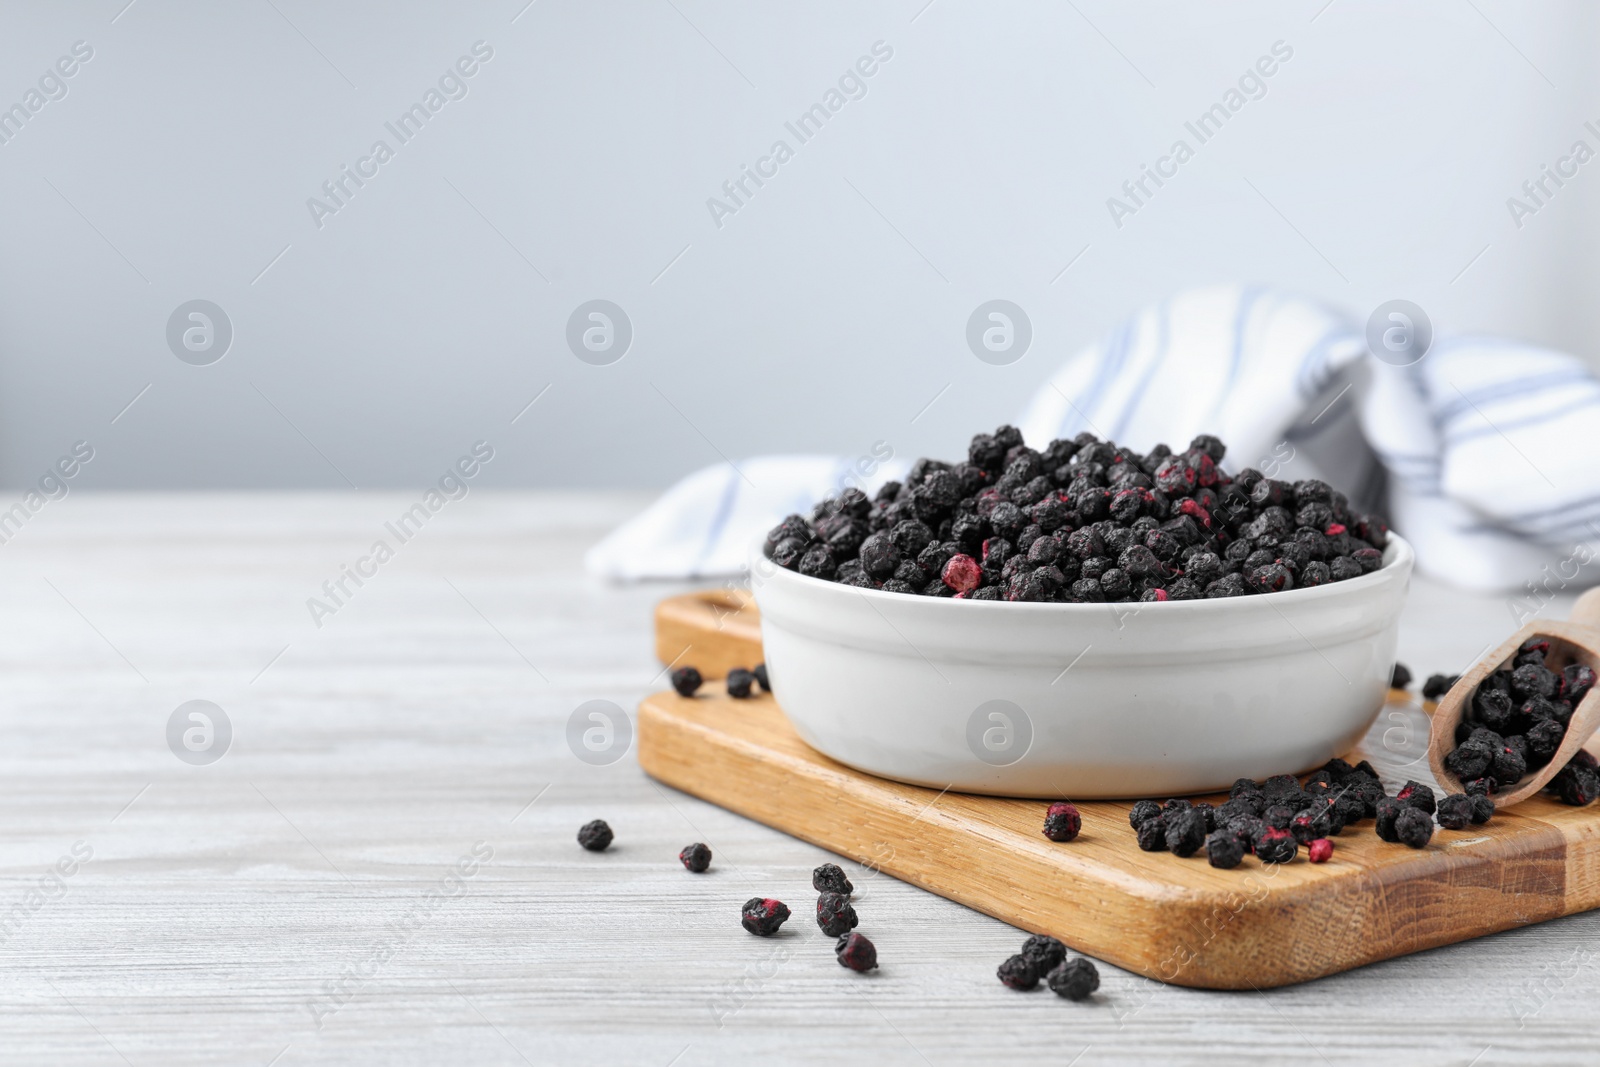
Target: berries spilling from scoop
(1515, 722)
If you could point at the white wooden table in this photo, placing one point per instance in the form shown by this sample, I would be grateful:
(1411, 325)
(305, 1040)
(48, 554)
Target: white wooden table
(291, 902)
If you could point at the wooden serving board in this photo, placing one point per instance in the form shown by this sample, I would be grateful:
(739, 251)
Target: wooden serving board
(1175, 920)
(714, 631)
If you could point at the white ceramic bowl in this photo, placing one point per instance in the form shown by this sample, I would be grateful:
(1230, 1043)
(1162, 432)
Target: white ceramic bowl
(1081, 700)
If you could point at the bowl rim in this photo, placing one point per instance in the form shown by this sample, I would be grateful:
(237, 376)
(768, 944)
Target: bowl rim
(1398, 560)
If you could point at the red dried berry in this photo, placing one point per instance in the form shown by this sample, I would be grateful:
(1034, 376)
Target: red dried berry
(856, 952)
(1191, 507)
(1275, 846)
(762, 916)
(962, 573)
(1320, 850)
(1062, 821)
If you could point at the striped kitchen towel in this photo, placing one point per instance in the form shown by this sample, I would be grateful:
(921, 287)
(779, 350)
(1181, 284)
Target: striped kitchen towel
(1482, 453)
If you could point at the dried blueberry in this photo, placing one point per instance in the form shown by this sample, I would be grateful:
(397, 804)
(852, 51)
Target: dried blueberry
(1075, 979)
(697, 857)
(595, 835)
(1224, 849)
(1045, 953)
(835, 916)
(739, 682)
(1142, 810)
(1413, 827)
(856, 952)
(1438, 685)
(1018, 972)
(1275, 846)
(1062, 822)
(1186, 832)
(829, 878)
(1418, 796)
(762, 916)
(1454, 811)
(685, 680)
(1389, 810)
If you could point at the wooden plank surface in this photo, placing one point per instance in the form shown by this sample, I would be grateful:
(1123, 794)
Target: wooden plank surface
(372, 753)
(1175, 920)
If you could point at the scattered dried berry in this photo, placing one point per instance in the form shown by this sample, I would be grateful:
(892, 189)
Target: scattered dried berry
(1046, 953)
(1074, 979)
(595, 836)
(830, 878)
(1278, 816)
(835, 915)
(1454, 811)
(686, 680)
(856, 952)
(739, 683)
(1018, 972)
(1418, 796)
(1577, 783)
(1273, 845)
(1144, 809)
(697, 857)
(1062, 821)
(1321, 850)
(760, 673)
(1224, 849)
(763, 916)
(1151, 835)
(1438, 685)
(1482, 808)
(1413, 827)
(1312, 823)
(1389, 810)
(1186, 832)
(1401, 677)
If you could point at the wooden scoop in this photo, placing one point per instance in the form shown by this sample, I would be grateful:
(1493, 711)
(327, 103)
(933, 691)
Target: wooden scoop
(1575, 641)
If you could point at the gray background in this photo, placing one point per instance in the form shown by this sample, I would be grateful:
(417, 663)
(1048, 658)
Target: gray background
(824, 316)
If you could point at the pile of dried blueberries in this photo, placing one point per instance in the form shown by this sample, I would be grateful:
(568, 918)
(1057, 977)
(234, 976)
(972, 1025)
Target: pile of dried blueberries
(1045, 959)
(1516, 720)
(1082, 521)
(1274, 818)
